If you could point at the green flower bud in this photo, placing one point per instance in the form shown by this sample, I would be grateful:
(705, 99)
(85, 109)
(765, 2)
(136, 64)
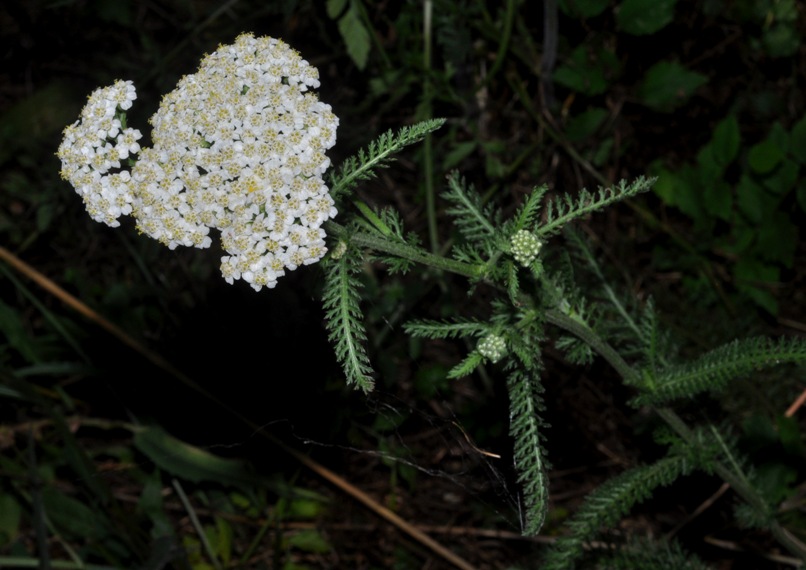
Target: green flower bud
(492, 347)
(525, 247)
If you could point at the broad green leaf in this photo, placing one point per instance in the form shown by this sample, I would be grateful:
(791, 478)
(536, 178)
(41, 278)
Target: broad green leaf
(667, 85)
(710, 170)
(775, 481)
(585, 72)
(750, 199)
(187, 461)
(72, 517)
(783, 10)
(726, 140)
(644, 17)
(585, 124)
(305, 509)
(114, 11)
(460, 152)
(603, 152)
(355, 35)
(666, 181)
(801, 195)
(221, 539)
(679, 189)
(10, 516)
(781, 40)
(335, 8)
(783, 179)
(790, 436)
(750, 274)
(777, 239)
(151, 505)
(718, 198)
(779, 136)
(16, 334)
(310, 540)
(765, 156)
(583, 8)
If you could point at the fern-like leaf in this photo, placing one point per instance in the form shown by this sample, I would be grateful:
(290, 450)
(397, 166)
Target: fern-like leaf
(524, 428)
(467, 366)
(560, 211)
(344, 319)
(441, 329)
(633, 327)
(654, 554)
(607, 504)
(713, 370)
(378, 155)
(474, 220)
(527, 214)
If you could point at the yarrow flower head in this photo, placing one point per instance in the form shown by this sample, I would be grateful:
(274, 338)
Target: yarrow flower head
(239, 146)
(525, 246)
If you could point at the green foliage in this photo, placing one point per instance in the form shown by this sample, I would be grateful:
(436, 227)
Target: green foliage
(744, 188)
(583, 8)
(714, 370)
(344, 319)
(525, 428)
(564, 209)
(644, 17)
(646, 553)
(352, 28)
(379, 154)
(608, 503)
(189, 462)
(668, 85)
(588, 73)
(474, 220)
(437, 329)
(635, 329)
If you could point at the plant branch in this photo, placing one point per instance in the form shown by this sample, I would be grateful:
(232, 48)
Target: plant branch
(630, 376)
(593, 340)
(405, 251)
(739, 484)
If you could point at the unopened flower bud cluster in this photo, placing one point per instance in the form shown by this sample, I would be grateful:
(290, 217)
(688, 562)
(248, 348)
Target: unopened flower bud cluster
(239, 146)
(525, 247)
(492, 347)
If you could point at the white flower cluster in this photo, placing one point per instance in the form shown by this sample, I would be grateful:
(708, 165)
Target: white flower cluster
(525, 247)
(493, 347)
(238, 146)
(96, 144)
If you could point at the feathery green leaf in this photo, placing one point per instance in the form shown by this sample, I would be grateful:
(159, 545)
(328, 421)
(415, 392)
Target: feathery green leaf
(467, 366)
(441, 329)
(654, 554)
(607, 504)
(713, 370)
(344, 319)
(562, 210)
(526, 216)
(379, 154)
(524, 427)
(474, 220)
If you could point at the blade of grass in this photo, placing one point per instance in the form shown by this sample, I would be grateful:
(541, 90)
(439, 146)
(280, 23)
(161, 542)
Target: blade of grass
(194, 520)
